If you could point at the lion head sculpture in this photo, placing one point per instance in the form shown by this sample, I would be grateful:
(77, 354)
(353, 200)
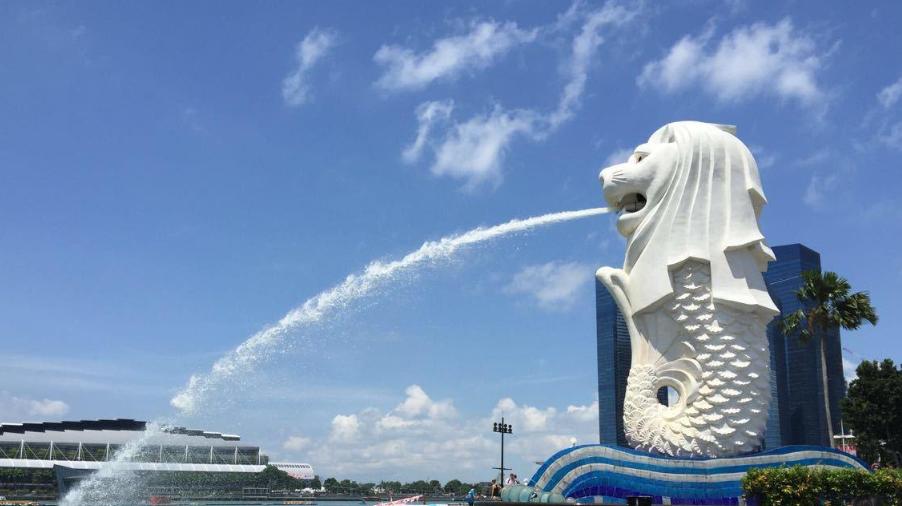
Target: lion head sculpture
(691, 192)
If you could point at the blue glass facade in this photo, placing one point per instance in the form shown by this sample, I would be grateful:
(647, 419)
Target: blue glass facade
(797, 365)
(613, 342)
(796, 415)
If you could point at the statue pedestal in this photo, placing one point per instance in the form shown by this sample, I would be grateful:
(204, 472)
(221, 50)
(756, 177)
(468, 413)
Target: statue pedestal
(609, 474)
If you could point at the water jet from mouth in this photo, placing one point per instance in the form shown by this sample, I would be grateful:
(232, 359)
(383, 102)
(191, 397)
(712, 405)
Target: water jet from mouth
(112, 484)
(261, 345)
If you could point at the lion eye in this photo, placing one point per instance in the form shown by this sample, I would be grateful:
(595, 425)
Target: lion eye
(640, 157)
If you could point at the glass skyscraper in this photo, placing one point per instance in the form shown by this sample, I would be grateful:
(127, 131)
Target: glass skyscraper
(797, 365)
(796, 413)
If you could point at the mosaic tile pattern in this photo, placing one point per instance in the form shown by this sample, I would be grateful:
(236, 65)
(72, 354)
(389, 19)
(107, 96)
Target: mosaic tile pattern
(602, 473)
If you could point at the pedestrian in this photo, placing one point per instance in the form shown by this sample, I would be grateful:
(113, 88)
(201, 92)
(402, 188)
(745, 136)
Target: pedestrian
(494, 489)
(471, 496)
(512, 480)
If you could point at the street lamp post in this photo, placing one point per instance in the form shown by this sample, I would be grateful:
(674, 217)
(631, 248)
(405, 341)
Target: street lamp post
(503, 429)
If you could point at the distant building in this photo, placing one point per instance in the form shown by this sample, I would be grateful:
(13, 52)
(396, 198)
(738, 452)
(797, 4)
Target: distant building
(613, 344)
(799, 410)
(295, 469)
(796, 414)
(74, 449)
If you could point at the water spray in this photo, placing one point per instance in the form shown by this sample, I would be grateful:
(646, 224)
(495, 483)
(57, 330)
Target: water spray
(114, 482)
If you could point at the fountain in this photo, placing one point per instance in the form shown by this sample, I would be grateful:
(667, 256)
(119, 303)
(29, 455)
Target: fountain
(696, 307)
(694, 302)
(114, 484)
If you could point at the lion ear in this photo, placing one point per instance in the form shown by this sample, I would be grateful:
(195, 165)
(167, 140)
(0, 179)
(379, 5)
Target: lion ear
(730, 129)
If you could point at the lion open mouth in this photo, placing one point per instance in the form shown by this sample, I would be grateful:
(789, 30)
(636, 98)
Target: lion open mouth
(632, 203)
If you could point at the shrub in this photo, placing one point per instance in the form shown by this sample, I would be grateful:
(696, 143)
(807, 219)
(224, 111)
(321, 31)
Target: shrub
(799, 485)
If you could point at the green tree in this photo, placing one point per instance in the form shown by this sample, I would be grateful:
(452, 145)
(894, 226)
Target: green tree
(331, 485)
(873, 410)
(275, 478)
(417, 487)
(452, 486)
(827, 304)
(392, 486)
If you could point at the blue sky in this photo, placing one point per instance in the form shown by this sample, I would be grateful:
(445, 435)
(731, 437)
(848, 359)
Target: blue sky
(176, 176)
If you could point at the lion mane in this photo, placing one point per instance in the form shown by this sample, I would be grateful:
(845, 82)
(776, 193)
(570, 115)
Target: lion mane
(709, 212)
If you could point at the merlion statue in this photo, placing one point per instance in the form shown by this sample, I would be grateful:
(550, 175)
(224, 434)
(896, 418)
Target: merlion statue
(691, 291)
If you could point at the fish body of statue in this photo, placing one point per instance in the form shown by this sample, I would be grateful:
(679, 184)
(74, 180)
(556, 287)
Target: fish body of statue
(692, 292)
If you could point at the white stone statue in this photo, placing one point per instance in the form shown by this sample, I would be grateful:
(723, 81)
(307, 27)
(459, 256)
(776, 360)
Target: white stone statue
(691, 291)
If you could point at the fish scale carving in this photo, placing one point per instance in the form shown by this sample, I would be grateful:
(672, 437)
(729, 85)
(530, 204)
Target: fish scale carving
(726, 413)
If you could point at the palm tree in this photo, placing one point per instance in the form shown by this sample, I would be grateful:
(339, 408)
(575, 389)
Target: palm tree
(827, 304)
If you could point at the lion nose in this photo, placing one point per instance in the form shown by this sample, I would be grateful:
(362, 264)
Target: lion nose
(601, 177)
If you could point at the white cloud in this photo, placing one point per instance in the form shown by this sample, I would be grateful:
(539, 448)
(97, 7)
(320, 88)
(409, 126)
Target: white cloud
(892, 136)
(449, 57)
(619, 155)
(818, 187)
(848, 369)
(17, 409)
(418, 403)
(587, 413)
(752, 60)
(345, 428)
(553, 284)
(428, 114)
(414, 436)
(547, 430)
(524, 418)
(474, 150)
(47, 407)
(317, 43)
(890, 95)
(583, 49)
(764, 157)
(296, 443)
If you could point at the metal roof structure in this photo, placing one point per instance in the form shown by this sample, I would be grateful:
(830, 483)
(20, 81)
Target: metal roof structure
(132, 466)
(88, 444)
(117, 424)
(297, 470)
(114, 431)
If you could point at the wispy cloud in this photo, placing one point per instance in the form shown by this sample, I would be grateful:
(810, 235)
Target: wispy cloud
(428, 115)
(553, 285)
(64, 374)
(473, 150)
(764, 157)
(317, 43)
(296, 443)
(889, 95)
(191, 119)
(582, 52)
(449, 57)
(17, 409)
(818, 187)
(759, 59)
(618, 156)
(882, 122)
(891, 136)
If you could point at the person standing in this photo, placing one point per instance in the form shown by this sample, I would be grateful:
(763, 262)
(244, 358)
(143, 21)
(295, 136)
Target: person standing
(471, 496)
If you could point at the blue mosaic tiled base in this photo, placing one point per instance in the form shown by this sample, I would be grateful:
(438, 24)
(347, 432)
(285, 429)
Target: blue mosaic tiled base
(609, 474)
